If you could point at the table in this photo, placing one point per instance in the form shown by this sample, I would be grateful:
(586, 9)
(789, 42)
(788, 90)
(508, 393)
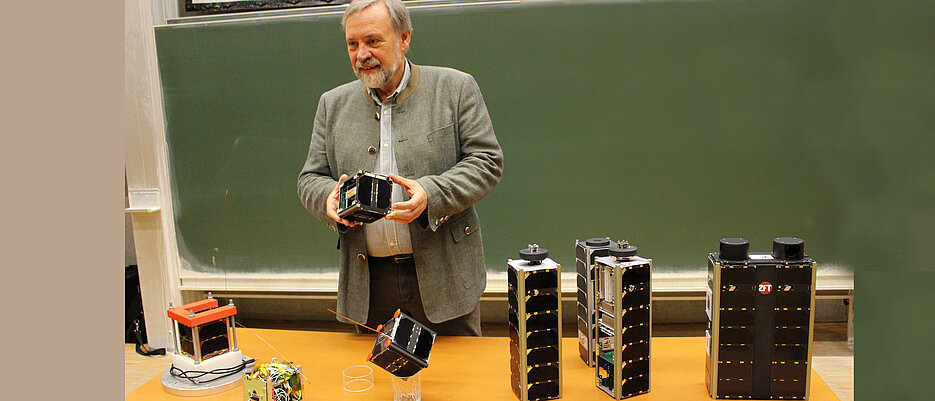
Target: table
(460, 368)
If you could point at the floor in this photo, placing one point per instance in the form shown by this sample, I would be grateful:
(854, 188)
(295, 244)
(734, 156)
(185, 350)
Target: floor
(831, 357)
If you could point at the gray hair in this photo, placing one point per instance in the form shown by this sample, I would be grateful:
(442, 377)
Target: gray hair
(399, 15)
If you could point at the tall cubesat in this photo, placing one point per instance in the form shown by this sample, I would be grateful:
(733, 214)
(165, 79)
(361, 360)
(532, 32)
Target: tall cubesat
(760, 315)
(535, 314)
(624, 314)
(585, 252)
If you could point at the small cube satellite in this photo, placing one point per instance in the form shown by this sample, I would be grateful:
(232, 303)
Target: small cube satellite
(365, 197)
(403, 346)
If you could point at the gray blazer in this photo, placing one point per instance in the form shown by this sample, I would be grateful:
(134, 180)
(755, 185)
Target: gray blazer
(444, 140)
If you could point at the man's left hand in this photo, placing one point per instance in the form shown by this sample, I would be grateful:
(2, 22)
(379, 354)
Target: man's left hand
(406, 212)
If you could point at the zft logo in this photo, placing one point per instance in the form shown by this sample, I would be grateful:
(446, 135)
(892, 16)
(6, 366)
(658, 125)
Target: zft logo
(765, 288)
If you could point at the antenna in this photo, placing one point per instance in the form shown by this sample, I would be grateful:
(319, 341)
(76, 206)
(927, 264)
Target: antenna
(380, 332)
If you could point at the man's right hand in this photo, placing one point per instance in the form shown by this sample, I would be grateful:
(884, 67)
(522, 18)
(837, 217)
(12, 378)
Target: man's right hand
(332, 207)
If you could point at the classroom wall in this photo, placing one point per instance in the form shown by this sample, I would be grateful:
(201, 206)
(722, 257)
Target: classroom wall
(849, 84)
(147, 172)
(668, 124)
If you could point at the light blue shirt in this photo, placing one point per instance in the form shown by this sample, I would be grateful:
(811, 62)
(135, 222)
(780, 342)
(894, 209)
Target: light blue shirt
(385, 237)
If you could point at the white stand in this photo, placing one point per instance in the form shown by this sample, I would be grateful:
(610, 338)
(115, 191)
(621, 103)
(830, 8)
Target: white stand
(186, 388)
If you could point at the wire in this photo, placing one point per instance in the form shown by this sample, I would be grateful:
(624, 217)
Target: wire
(194, 375)
(362, 325)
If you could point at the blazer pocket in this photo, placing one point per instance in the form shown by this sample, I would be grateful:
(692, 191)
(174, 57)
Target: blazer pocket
(443, 151)
(463, 227)
(441, 133)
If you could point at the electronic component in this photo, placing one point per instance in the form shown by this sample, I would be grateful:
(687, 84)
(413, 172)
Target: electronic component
(624, 319)
(403, 345)
(212, 339)
(274, 381)
(585, 252)
(760, 309)
(365, 197)
(535, 315)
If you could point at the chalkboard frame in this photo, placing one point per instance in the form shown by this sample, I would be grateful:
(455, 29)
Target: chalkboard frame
(254, 5)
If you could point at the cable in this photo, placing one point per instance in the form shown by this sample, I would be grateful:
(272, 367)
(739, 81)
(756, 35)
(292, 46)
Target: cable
(141, 347)
(193, 375)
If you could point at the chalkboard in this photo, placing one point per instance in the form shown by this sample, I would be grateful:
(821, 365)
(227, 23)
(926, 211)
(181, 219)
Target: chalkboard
(669, 124)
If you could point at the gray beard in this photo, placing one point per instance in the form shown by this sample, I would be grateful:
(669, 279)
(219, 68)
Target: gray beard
(378, 79)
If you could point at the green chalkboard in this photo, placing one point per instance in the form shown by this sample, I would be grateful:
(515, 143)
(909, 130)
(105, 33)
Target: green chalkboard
(669, 124)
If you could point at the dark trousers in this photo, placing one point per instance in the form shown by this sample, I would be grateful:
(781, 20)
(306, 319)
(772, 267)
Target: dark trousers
(393, 285)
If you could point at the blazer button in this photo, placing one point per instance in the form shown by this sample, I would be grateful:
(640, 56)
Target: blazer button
(372, 150)
(361, 257)
(376, 116)
(467, 230)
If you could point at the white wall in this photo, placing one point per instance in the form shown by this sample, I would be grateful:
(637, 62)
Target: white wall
(146, 170)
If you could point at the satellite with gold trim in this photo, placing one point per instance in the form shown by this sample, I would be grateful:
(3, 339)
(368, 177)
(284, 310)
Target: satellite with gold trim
(760, 309)
(274, 381)
(535, 314)
(623, 289)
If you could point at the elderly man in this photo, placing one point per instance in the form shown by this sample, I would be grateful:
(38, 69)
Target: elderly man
(428, 129)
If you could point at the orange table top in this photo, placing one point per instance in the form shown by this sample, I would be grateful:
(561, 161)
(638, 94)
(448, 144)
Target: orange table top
(460, 368)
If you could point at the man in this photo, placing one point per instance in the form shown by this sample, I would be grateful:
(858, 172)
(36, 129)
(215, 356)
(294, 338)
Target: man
(428, 129)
